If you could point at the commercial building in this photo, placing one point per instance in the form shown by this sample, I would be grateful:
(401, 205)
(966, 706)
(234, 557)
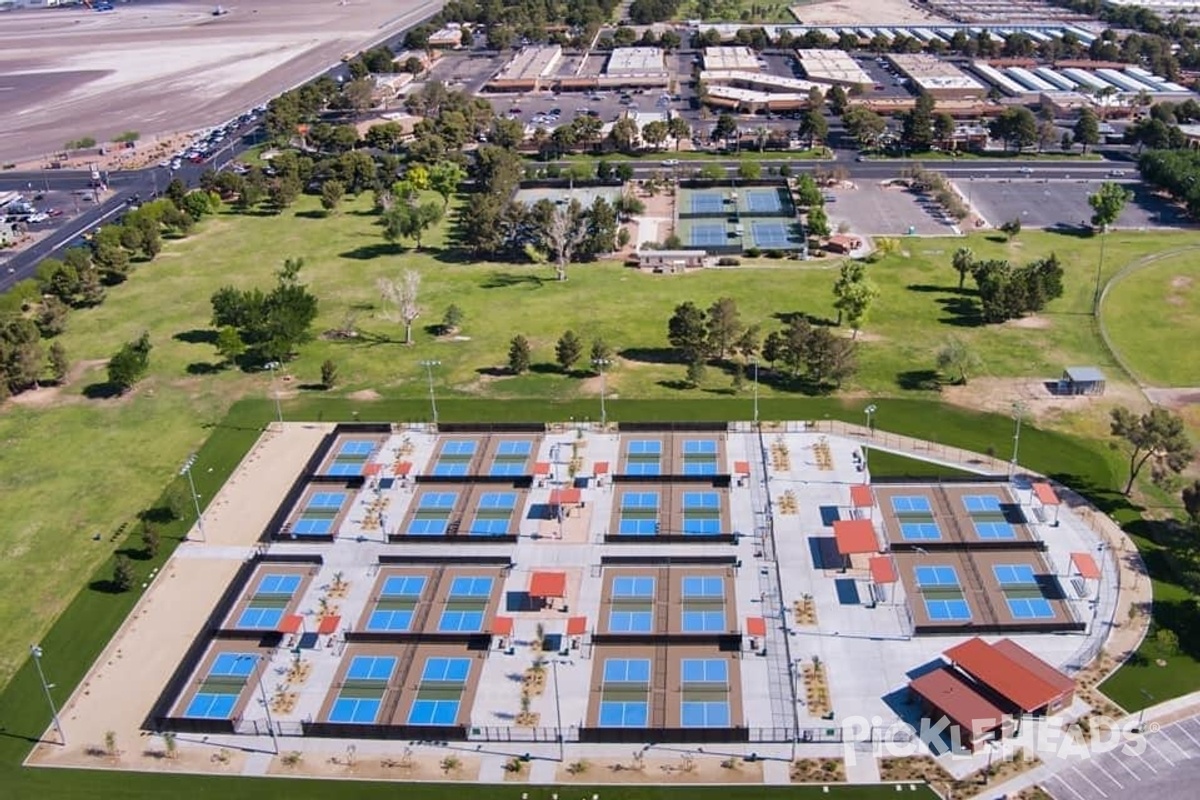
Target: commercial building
(938, 78)
(833, 67)
(530, 69)
(636, 61)
(726, 59)
(449, 37)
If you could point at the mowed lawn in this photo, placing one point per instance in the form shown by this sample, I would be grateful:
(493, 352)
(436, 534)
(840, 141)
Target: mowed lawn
(75, 467)
(1153, 319)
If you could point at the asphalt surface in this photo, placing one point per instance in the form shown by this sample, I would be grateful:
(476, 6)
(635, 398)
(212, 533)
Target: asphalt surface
(1166, 768)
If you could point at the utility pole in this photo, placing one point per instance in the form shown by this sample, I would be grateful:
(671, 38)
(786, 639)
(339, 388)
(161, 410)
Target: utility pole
(429, 364)
(186, 469)
(1018, 413)
(754, 361)
(274, 365)
(36, 652)
(601, 363)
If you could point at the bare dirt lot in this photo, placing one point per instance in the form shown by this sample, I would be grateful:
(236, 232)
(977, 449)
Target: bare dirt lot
(162, 68)
(877, 12)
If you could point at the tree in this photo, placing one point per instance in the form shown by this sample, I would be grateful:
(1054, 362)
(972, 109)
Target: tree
(601, 351)
(230, 346)
(568, 350)
(956, 355)
(52, 316)
(150, 539)
(1087, 129)
(402, 297)
(917, 128)
(813, 127)
(724, 326)
(679, 129)
(329, 373)
(817, 222)
(624, 133)
(444, 178)
(837, 100)
(1191, 502)
(332, 192)
(1107, 204)
(865, 126)
(749, 170)
(687, 331)
(963, 261)
(1158, 438)
(271, 324)
(828, 359)
(562, 234)
(130, 363)
(122, 581)
(943, 129)
(1015, 126)
(853, 294)
(1012, 228)
(695, 373)
(655, 133)
(410, 221)
(518, 355)
(726, 127)
(452, 319)
(60, 365)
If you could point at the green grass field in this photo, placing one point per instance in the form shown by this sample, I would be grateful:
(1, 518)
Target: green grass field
(1167, 294)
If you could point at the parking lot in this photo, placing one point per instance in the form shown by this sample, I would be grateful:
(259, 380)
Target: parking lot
(1050, 203)
(885, 211)
(1168, 769)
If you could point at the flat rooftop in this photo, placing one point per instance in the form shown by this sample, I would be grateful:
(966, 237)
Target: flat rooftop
(635, 61)
(832, 66)
(931, 72)
(731, 58)
(531, 63)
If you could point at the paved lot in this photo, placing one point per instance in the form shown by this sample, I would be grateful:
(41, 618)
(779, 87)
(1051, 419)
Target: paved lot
(1168, 769)
(873, 209)
(1057, 203)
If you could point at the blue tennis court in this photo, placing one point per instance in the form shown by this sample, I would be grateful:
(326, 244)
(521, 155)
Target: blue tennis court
(920, 531)
(498, 501)
(428, 527)
(644, 447)
(233, 665)
(936, 576)
(696, 501)
(707, 203)
(700, 457)
(454, 670)
(345, 469)
(208, 705)
(910, 504)
(707, 234)
(994, 530)
(770, 233)
(709, 586)
(629, 586)
(639, 514)
(508, 468)
(438, 500)
(704, 670)
(459, 447)
(356, 447)
(433, 712)
(371, 668)
(355, 710)
(701, 447)
(461, 621)
(623, 713)
(704, 713)
(488, 527)
(403, 586)
(511, 458)
(622, 620)
(312, 526)
(259, 618)
(763, 201)
(514, 448)
(451, 469)
(701, 526)
(981, 503)
(705, 620)
(396, 619)
(326, 501)
(947, 610)
(1030, 608)
(627, 670)
(478, 587)
(278, 584)
(1014, 575)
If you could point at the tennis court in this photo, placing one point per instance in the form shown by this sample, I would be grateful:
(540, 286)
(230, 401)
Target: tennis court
(764, 200)
(466, 605)
(432, 515)
(639, 514)
(910, 504)
(222, 686)
(942, 593)
(319, 515)
(632, 601)
(1022, 592)
(270, 600)
(397, 603)
(701, 513)
(625, 693)
(361, 696)
(704, 699)
(439, 694)
(707, 203)
(511, 458)
(643, 457)
(981, 503)
(699, 457)
(454, 459)
(350, 457)
(703, 608)
(773, 234)
(708, 234)
(493, 514)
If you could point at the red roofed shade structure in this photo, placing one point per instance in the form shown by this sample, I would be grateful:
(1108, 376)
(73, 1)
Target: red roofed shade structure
(402, 468)
(756, 626)
(1046, 495)
(741, 467)
(883, 571)
(502, 626)
(1086, 566)
(576, 626)
(945, 693)
(855, 536)
(372, 468)
(292, 623)
(861, 496)
(329, 624)
(548, 584)
(600, 468)
(565, 497)
(1014, 674)
(541, 468)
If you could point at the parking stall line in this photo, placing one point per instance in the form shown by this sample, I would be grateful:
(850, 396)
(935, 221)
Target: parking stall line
(1183, 729)
(1174, 744)
(1147, 763)
(1097, 765)
(1161, 754)
(1088, 781)
(1127, 768)
(1068, 786)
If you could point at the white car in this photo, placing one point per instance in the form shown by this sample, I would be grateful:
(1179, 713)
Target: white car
(38, 217)
(671, 162)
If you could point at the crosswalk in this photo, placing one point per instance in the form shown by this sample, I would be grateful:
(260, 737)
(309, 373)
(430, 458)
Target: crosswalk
(1168, 765)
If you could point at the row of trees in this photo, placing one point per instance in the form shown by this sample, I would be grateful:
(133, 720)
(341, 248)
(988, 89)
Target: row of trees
(1007, 292)
(1176, 172)
(568, 351)
(264, 327)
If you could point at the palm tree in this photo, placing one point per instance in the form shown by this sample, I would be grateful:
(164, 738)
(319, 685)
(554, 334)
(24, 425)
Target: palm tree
(761, 134)
(963, 260)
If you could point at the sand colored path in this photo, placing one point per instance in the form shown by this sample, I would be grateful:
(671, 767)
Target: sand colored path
(877, 12)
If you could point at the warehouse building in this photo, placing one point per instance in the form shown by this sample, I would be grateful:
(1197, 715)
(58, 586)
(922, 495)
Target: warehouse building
(940, 79)
(532, 68)
(729, 59)
(833, 67)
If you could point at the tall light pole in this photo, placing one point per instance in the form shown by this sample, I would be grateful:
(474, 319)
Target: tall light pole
(274, 365)
(36, 652)
(1018, 409)
(754, 361)
(186, 469)
(1099, 270)
(601, 363)
(429, 364)
(266, 705)
(558, 711)
(870, 412)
